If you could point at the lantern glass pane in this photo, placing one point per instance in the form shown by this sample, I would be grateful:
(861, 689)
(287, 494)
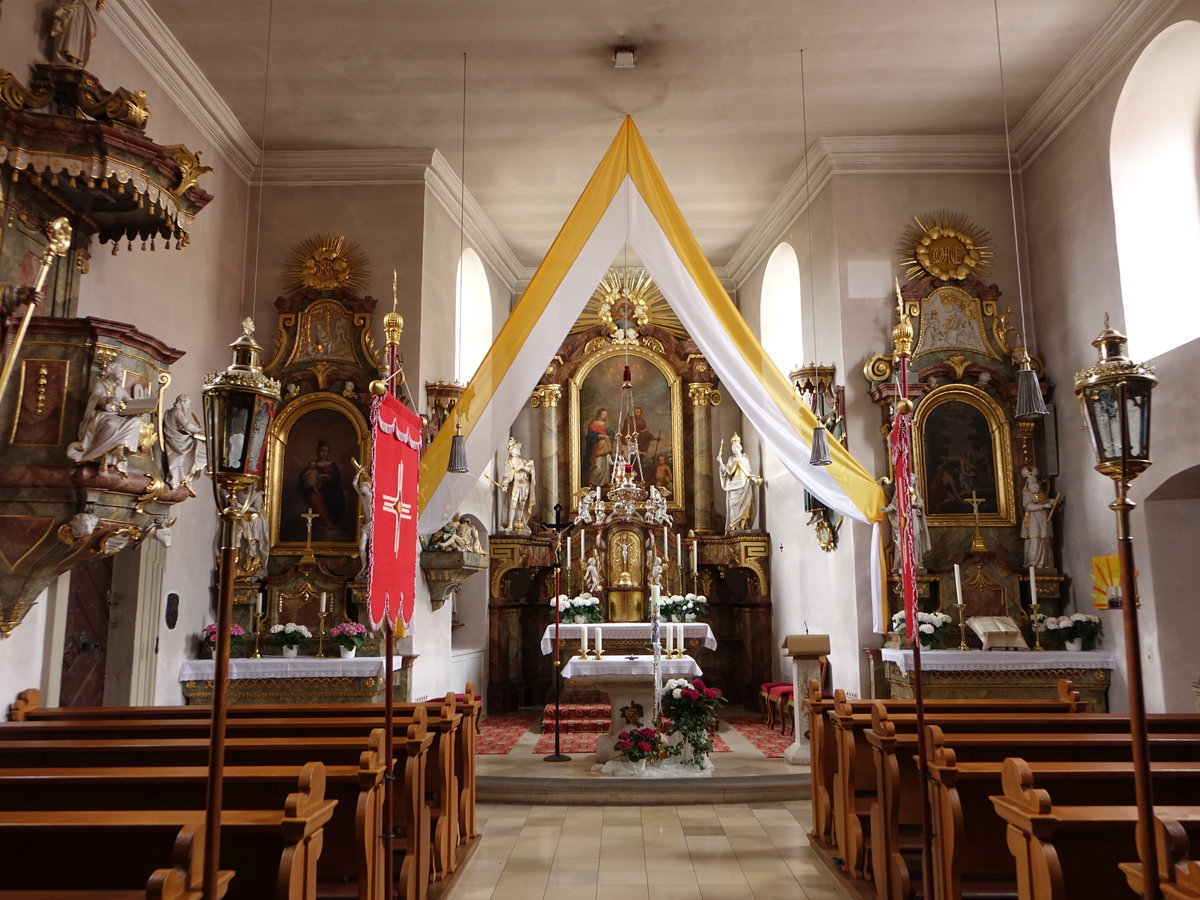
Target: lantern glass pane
(1104, 415)
(1137, 413)
(239, 410)
(257, 447)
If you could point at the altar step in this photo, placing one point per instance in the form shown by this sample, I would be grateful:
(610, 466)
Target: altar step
(577, 718)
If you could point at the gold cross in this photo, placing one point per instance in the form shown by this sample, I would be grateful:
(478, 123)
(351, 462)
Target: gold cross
(308, 520)
(977, 543)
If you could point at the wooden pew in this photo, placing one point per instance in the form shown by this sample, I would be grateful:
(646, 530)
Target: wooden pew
(182, 881)
(824, 747)
(274, 853)
(970, 853)
(1179, 875)
(881, 785)
(1063, 852)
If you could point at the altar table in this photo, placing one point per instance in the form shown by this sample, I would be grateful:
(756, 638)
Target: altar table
(969, 674)
(627, 682)
(626, 631)
(306, 679)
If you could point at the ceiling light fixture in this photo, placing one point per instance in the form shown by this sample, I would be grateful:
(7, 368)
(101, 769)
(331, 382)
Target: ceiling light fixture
(623, 57)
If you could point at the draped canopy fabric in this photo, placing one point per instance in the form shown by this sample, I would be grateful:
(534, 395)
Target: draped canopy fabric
(627, 200)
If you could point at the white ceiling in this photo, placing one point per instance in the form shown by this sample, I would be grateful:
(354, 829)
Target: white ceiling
(716, 91)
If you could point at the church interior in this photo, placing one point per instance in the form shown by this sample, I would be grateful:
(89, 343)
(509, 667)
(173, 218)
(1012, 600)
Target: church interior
(734, 335)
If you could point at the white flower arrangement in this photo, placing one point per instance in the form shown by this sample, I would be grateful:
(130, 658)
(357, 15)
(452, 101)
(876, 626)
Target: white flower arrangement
(675, 686)
(683, 608)
(585, 606)
(931, 626)
(290, 635)
(1077, 626)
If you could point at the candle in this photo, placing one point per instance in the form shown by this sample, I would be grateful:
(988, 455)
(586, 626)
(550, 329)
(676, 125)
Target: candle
(679, 551)
(670, 638)
(583, 640)
(679, 643)
(582, 551)
(666, 551)
(958, 583)
(568, 556)
(324, 603)
(599, 641)
(1032, 587)
(259, 602)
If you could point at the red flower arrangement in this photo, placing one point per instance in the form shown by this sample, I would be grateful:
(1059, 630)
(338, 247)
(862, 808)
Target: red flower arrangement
(638, 743)
(692, 708)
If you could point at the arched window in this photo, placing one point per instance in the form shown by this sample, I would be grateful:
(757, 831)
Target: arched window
(779, 310)
(473, 316)
(1156, 198)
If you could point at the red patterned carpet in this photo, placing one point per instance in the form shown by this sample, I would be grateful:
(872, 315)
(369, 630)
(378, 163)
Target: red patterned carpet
(499, 734)
(766, 740)
(584, 742)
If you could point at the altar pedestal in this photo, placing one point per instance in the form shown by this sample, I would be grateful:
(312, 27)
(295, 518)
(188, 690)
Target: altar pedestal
(805, 650)
(1022, 674)
(629, 683)
(304, 680)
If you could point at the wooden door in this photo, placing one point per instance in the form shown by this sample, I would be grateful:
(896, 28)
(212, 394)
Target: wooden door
(86, 642)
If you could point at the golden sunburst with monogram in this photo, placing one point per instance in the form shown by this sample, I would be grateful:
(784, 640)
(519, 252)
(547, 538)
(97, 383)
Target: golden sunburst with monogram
(946, 245)
(326, 262)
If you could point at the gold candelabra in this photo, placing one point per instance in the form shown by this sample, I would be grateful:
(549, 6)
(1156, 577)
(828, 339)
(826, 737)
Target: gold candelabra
(321, 636)
(260, 619)
(962, 626)
(1037, 626)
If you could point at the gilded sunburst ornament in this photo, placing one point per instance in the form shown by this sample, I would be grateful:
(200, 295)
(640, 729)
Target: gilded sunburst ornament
(945, 245)
(624, 301)
(326, 262)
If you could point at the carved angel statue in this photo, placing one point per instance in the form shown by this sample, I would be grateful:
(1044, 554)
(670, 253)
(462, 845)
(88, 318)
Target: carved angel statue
(656, 508)
(362, 486)
(587, 506)
(107, 432)
(73, 30)
(656, 571)
(183, 443)
(591, 576)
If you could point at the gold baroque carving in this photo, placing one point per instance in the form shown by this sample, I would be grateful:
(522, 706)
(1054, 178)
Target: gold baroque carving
(546, 395)
(326, 262)
(190, 168)
(702, 393)
(948, 247)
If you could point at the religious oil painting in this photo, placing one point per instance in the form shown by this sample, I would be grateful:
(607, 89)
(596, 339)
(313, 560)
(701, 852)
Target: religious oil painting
(313, 474)
(963, 457)
(655, 421)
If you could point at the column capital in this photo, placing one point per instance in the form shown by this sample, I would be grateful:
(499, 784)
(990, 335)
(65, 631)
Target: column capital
(703, 394)
(545, 395)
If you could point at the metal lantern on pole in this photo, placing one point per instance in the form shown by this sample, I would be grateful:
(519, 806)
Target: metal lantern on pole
(239, 404)
(1114, 395)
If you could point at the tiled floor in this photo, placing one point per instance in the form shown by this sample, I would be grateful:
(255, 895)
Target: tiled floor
(750, 851)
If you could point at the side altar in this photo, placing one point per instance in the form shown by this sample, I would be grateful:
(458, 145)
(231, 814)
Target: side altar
(308, 680)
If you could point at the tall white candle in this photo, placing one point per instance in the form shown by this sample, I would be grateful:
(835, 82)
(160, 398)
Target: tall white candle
(583, 640)
(599, 640)
(695, 556)
(679, 551)
(679, 642)
(324, 602)
(670, 635)
(666, 549)
(958, 583)
(259, 602)
(1033, 587)
(568, 556)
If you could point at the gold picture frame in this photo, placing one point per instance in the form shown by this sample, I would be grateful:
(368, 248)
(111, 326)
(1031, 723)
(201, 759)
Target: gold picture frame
(962, 444)
(313, 440)
(657, 389)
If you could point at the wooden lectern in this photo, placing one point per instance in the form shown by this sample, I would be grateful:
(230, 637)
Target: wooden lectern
(805, 651)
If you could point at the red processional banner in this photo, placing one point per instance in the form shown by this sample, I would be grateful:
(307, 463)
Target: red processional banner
(396, 432)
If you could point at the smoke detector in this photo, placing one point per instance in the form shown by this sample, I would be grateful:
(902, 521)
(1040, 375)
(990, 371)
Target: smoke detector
(623, 57)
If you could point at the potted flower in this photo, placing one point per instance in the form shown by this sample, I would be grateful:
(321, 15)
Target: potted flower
(349, 636)
(208, 638)
(582, 610)
(931, 627)
(692, 709)
(289, 637)
(1087, 629)
(1074, 630)
(638, 745)
(683, 608)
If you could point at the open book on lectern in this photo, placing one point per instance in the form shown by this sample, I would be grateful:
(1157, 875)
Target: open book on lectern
(997, 633)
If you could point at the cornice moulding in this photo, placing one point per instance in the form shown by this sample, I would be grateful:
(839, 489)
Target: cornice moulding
(403, 165)
(136, 25)
(1130, 26)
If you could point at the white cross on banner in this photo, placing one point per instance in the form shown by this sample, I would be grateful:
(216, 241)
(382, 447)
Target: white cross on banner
(397, 438)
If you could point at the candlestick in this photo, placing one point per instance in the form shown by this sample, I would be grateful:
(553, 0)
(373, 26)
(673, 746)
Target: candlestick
(679, 555)
(259, 621)
(962, 625)
(666, 547)
(324, 602)
(568, 564)
(670, 635)
(321, 635)
(695, 557)
(1034, 607)
(679, 643)
(258, 602)
(958, 583)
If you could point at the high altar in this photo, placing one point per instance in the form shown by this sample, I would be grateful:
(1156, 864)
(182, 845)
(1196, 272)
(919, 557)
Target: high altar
(983, 488)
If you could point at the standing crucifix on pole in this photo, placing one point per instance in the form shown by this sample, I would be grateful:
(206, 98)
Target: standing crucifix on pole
(560, 528)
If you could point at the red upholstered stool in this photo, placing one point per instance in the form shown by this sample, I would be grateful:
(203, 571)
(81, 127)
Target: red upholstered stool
(764, 695)
(776, 698)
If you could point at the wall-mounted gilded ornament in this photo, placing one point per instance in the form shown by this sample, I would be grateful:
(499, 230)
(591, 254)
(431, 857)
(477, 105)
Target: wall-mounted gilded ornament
(325, 263)
(945, 245)
(625, 301)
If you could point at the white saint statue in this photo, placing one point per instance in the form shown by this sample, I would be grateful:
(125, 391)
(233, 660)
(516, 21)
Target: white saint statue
(591, 576)
(366, 503)
(519, 479)
(183, 442)
(107, 433)
(738, 483)
(72, 31)
(1036, 530)
(254, 544)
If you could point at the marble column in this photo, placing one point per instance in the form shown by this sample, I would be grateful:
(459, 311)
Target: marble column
(545, 397)
(703, 396)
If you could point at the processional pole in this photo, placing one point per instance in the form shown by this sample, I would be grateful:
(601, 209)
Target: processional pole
(560, 528)
(900, 442)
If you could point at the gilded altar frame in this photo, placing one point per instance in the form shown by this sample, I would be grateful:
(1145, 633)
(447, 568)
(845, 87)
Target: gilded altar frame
(929, 425)
(615, 356)
(302, 424)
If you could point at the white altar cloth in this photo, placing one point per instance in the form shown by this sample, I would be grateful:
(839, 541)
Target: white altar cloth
(278, 667)
(991, 660)
(622, 631)
(624, 667)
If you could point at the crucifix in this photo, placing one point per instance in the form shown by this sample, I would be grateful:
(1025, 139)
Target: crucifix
(977, 544)
(559, 527)
(308, 520)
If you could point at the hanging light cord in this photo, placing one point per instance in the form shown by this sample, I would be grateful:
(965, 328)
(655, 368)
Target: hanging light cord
(812, 296)
(1012, 190)
(462, 187)
(262, 160)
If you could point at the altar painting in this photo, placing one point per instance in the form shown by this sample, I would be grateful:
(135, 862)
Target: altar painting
(656, 420)
(315, 449)
(962, 449)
